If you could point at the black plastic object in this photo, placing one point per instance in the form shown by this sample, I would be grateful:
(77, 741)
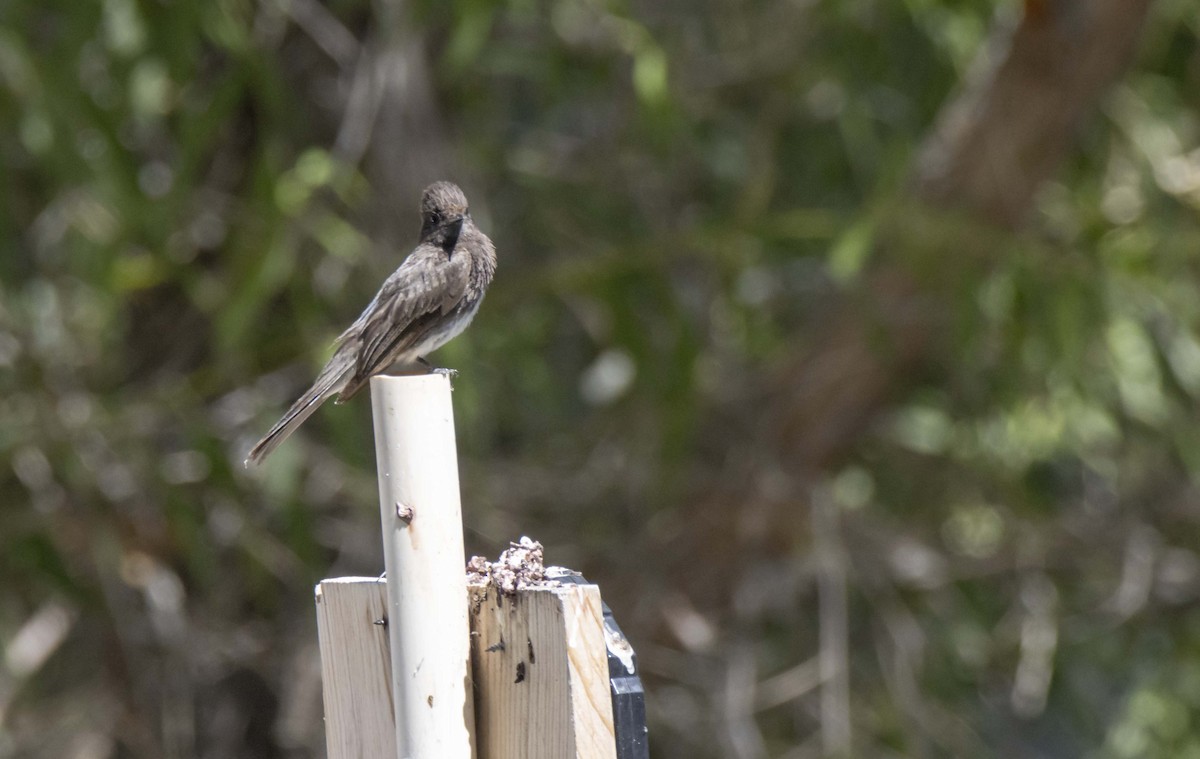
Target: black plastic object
(628, 696)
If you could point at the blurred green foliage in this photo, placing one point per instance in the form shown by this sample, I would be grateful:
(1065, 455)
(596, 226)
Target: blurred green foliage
(682, 194)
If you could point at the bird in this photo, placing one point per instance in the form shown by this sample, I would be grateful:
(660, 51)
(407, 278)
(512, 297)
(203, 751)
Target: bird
(425, 303)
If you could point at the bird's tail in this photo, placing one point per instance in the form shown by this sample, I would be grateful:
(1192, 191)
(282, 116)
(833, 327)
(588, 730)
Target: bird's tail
(328, 383)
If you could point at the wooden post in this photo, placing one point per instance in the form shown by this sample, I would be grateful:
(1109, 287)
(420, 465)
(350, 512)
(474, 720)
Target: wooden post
(398, 656)
(424, 557)
(541, 674)
(355, 668)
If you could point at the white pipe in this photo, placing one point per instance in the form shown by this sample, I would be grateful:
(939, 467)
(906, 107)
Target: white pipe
(423, 553)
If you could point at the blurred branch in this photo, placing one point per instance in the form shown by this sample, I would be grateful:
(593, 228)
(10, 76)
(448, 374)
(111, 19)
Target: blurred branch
(1137, 573)
(788, 685)
(743, 735)
(324, 28)
(1013, 123)
(828, 395)
(35, 641)
(834, 628)
(1039, 643)
(993, 146)
(362, 108)
(409, 146)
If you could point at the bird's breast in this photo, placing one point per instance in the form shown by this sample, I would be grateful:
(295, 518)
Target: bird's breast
(447, 328)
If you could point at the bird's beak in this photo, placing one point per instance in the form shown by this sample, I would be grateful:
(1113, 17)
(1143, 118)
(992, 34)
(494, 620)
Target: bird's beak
(451, 232)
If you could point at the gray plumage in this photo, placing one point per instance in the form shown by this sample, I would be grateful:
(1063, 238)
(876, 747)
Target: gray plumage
(425, 303)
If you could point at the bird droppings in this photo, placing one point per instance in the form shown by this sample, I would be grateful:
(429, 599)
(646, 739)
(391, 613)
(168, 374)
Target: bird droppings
(529, 645)
(619, 647)
(496, 646)
(520, 567)
(430, 700)
(405, 513)
(520, 673)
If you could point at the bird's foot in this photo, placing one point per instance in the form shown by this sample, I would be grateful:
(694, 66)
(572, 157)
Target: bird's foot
(449, 373)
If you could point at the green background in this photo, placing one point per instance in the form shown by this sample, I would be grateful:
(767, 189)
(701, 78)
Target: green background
(862, 472)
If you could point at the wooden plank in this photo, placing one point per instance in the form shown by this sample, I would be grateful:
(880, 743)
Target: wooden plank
(541, 674)
(355, 668)
(421, 516)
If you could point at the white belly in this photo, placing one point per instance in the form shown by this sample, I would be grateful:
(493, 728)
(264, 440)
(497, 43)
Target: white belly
(437, 338)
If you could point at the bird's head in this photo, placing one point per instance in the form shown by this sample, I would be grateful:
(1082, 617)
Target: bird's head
(443, 212)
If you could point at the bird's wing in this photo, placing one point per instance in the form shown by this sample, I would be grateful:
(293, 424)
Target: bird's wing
(429, 283)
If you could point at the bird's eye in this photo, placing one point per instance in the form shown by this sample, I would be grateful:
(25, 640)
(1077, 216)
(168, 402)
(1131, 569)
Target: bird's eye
(432, 217)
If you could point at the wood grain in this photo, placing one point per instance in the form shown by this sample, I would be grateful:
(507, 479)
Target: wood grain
(541, 674)
(355, 668)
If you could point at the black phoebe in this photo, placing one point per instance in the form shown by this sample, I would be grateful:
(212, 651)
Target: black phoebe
(424, 304)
